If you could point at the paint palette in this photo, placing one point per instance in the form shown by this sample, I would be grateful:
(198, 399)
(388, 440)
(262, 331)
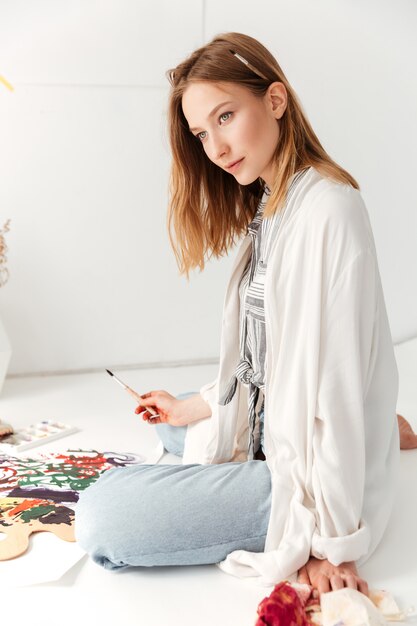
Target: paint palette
(35, 435)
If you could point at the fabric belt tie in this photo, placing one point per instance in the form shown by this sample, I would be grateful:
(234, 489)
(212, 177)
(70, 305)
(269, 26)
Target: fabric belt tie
(244, 374)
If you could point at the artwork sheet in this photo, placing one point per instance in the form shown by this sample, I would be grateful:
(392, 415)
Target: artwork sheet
(40, 493)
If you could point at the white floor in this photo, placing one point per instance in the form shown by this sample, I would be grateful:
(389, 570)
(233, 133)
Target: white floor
(163, 596)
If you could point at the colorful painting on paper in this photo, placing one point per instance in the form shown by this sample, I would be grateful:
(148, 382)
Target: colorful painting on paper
(40, 493)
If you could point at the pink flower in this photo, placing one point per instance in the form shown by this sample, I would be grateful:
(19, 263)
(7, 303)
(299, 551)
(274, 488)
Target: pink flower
(283, 607)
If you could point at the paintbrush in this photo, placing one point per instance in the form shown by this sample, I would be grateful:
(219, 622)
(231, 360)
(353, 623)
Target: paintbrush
(134, 394)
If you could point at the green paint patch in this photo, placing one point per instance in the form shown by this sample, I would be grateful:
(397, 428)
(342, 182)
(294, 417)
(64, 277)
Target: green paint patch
(36, 512)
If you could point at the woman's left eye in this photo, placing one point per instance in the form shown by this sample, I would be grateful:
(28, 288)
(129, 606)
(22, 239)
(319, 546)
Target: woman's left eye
(223, 114)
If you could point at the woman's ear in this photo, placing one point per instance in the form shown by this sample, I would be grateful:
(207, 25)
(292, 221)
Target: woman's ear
(276, 97)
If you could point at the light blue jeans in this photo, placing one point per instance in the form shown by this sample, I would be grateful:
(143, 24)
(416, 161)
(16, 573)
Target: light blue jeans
(147, 515)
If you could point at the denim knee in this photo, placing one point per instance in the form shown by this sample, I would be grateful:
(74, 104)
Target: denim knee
(148, 515)
(123, 518)
(110, 524)
(93, 524)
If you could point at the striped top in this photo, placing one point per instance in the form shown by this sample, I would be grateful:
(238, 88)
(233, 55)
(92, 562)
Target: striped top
(252, 335)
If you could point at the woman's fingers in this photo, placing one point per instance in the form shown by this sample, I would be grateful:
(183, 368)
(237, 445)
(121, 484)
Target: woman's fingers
(335, 582)
(363, 586)
(351, 582)
(325, 577)
(150, 401)
(323, 584)
(303, 576)
(331, 583)
(147, 416)
(153, 420)
(145, 406)
(156, 407)
(145, 401)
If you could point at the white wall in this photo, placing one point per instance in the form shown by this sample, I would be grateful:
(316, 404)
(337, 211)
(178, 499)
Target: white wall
(84, 162)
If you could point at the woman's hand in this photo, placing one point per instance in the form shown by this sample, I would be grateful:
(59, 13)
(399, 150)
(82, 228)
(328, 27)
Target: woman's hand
(164, 404)
(172, 411)
(324, 577)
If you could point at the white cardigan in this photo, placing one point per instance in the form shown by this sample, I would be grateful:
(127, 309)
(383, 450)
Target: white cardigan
(331, 435)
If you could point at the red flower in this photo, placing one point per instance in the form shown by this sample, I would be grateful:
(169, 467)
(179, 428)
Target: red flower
(283, 607)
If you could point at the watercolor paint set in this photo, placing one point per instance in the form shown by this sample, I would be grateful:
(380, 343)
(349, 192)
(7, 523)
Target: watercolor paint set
(35, 435)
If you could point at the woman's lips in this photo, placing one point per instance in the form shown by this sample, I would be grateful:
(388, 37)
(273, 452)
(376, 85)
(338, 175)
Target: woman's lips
(234, 167)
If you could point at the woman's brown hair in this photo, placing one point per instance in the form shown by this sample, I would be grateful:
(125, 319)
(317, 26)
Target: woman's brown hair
(208, 209)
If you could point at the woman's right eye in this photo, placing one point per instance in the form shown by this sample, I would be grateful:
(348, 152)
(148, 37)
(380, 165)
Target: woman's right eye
(198, 135)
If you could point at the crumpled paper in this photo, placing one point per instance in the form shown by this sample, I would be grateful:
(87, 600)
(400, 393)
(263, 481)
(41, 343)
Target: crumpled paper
(350, 607)
(293, 603)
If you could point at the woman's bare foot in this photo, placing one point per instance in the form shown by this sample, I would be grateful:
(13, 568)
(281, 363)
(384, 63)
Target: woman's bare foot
(408, 439)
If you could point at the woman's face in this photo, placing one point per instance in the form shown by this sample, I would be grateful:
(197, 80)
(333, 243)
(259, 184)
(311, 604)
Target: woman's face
(233, 124)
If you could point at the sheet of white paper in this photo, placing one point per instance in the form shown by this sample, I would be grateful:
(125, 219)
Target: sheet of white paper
(47, 559)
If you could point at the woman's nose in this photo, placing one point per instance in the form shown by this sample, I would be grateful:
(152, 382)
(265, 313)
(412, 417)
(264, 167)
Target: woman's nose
(219, 149)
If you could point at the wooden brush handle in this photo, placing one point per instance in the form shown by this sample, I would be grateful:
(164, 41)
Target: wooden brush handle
(139, 399)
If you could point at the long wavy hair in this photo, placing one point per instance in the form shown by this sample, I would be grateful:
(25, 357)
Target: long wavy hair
(208, 209)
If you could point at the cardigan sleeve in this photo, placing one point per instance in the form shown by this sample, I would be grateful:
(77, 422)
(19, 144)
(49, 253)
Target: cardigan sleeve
(348, 333)
(200, 439)
(208, 392)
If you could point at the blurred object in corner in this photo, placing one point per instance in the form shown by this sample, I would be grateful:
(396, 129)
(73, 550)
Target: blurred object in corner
(5, 347)
(5, 429)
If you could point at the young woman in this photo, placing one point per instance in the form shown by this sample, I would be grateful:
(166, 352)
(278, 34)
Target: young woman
(290, 456)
